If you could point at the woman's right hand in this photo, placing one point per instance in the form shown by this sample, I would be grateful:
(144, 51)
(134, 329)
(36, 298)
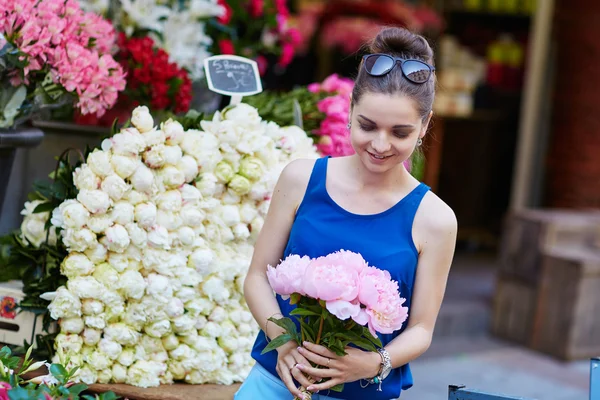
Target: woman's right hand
(287, 358)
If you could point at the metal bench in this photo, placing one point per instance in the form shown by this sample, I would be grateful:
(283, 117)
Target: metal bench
(462, 393)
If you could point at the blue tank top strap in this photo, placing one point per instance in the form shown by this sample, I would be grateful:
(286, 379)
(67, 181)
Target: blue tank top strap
(412, 203)
(317, 177)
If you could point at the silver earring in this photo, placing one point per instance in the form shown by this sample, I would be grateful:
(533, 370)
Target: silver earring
(419, 142)
(349, 125)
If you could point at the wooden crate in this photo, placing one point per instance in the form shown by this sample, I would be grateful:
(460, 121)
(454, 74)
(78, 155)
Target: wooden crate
(177, 391)
(528, 233)
(16, 326)
(566, 323)
(513, 310)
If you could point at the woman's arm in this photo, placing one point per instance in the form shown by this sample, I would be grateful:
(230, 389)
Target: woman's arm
(271, 242)
(434, 232)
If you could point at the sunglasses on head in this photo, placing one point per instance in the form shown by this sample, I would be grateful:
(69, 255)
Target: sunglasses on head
(415, 71)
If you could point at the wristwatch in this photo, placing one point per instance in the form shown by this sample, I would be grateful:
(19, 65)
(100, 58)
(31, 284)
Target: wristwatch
(384, 369)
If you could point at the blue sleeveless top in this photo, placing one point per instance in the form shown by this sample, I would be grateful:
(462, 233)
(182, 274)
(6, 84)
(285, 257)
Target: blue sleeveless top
(385, 241)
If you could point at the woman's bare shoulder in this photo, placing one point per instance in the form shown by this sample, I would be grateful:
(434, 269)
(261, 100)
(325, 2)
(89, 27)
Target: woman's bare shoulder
(434, 218)
(296, 174)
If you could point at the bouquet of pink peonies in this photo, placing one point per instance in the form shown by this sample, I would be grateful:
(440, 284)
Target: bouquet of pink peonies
(340, 299)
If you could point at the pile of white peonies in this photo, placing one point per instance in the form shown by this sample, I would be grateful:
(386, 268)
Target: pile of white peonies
(160, 239)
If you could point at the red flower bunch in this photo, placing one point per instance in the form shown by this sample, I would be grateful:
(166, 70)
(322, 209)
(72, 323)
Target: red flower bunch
(257, 29)
(8, 307)
(151, 77)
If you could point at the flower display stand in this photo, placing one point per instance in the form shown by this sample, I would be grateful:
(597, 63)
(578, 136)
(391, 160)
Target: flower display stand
(178, 391)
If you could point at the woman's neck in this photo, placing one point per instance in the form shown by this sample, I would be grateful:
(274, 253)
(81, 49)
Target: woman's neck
(394, 178)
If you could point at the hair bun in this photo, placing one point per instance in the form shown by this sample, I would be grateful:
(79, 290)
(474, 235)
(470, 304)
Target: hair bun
(401, 42)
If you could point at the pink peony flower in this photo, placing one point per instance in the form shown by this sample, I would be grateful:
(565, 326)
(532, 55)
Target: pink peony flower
(382, 299)
(4, 388)
(335, 84)
(287, 277)
(344, 309)
(329, 278)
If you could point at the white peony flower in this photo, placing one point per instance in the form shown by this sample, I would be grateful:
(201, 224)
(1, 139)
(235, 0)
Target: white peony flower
(189, 166)
(114, 186)
(159, 286)
(132, 284)
(135, 197)
(117, 238)
(137, 235)
(145, 215)
(186, 235)
(202, 260)
(155, 157)
(145, 373)
(171, 176)
(118, 261)
(207, 184)
(143, 179)
(96, 201)
(224, 171)
(95, 321)
(128, 142)
(76, 264)
(106, 275)
(173, 131)
(111, 348)
(170, 200)
(199, 305)
(192, 216)
(214, 288)
(212, 329)
(244, 114)
(158, 329)
(79, 240)
(104, 376)
(252, 168)
(85, 179)
(127, 357)
(170, 342)
(98, 360)
(173, 155)
(188, 276)
(154, 137)
(230, 215)
(87, 375)
(99, 223)
(71, 325)
(241, 231)
(122, 213)
(141, 119)
(218, 314)
(240, 185)
(119, 373)
(92, 307)
(99, 162)
(123, 165)
(230, 198)
(91, 336)
(97, 254)
(122, 334)
(248, 212)
(158, 237)
(86, 287)
(190, 194)
(64, 304)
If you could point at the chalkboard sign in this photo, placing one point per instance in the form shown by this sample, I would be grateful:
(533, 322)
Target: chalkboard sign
(232, 75)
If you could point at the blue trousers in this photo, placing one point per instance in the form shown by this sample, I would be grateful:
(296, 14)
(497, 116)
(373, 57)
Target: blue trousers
(261, 384)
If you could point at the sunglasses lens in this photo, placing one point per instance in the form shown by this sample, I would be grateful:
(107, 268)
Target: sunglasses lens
(416, 71)
(379, 65)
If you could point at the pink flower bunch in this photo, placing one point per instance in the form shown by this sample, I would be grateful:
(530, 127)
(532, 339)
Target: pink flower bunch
(333, 131)
(349, 287)
(58, 38)
(4, 388)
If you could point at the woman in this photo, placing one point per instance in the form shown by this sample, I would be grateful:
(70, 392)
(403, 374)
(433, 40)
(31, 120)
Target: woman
(370, 204)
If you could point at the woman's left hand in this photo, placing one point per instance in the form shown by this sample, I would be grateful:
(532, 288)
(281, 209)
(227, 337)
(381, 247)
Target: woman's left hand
(356, 364)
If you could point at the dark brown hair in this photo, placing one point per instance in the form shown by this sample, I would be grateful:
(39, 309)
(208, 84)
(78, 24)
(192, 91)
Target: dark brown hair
(401, 43)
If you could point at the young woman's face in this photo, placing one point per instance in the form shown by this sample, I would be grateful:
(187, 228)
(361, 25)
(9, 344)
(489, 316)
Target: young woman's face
(385, 130)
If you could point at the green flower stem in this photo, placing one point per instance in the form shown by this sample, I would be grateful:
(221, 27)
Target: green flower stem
(320, 330)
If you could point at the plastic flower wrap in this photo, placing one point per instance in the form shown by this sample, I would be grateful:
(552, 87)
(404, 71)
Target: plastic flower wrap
(51, 51)
(339, 291)
(160, 238)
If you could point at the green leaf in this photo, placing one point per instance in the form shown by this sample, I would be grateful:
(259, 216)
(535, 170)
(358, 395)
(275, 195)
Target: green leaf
(59, 372)
(77, 389)
(295, 298)
(108, 396)
(304, 311)
(278, 341)
(285, 323)
(337, 388)
(19, 393)
(309, 333)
